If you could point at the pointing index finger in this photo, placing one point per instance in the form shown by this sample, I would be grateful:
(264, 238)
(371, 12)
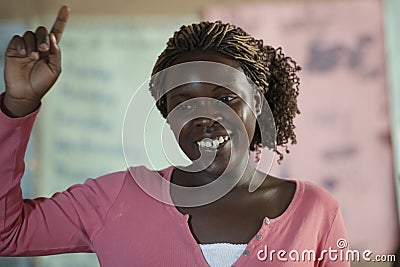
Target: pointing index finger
(60, 22)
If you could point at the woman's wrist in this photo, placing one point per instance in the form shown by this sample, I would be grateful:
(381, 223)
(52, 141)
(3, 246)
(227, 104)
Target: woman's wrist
(17, 108)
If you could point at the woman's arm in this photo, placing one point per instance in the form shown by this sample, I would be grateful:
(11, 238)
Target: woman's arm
(32, 227)
(68, 221)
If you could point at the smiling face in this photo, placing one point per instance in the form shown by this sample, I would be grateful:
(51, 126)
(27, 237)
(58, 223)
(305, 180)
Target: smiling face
(211, 118)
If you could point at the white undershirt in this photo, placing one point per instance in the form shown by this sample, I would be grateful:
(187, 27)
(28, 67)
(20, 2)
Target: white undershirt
(222, 254)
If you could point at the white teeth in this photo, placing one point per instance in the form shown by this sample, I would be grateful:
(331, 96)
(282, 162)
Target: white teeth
(213, 143)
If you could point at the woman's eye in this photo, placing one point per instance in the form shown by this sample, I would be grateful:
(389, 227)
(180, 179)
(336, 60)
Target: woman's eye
(226, 99)
(183, 107)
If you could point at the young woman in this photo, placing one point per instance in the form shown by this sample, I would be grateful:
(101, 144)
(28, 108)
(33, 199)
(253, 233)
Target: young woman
(281, 223)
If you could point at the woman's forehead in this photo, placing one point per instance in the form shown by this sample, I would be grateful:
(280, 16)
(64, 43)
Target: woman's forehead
(206, 70)
(206, 55)
(204, 78)
(198, 88)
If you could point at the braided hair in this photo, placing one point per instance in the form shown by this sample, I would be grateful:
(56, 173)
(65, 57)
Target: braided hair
(274, 73)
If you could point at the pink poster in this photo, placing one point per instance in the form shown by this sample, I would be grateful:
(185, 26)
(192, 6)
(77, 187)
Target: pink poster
(343, 131)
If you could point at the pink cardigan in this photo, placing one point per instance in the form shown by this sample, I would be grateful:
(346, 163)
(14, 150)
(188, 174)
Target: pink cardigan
(112, 217)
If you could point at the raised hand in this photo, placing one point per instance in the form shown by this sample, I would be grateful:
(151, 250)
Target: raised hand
(32, 66)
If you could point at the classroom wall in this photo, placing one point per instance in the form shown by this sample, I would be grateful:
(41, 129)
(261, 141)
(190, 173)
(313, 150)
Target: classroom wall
(13, 9)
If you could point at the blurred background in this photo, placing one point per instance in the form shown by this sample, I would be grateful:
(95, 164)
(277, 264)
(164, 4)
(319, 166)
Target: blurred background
(348, 132)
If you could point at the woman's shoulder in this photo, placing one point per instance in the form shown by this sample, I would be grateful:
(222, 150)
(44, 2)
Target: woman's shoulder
(315, 201)
(306, 196)
(305, 190)
(313, 192)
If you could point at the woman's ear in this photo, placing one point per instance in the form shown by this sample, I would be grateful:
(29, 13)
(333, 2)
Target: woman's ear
(258, 101)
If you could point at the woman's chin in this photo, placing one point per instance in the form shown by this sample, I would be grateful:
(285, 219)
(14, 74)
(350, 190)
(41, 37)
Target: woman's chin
(218, 167)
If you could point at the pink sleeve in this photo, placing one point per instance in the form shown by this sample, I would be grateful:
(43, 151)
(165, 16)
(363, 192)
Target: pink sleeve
(336, 245)
(67, 222)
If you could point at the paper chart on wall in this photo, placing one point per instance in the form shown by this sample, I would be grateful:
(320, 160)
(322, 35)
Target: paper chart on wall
(343, 131)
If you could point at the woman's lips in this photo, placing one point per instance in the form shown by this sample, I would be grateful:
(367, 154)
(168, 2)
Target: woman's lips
(214, 143)
(208, 143)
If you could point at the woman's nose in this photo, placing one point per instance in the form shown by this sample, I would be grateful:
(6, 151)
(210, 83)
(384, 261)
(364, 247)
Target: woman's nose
(207, 112)
(204, 122)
